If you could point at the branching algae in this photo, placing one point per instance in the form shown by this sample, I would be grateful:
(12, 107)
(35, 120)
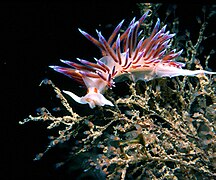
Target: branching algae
(160, 128)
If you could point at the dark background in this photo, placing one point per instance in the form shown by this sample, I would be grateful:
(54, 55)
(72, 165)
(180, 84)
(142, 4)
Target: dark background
(36, 35)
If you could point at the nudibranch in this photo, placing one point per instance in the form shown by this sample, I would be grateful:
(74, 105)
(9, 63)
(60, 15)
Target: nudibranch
(125, 54)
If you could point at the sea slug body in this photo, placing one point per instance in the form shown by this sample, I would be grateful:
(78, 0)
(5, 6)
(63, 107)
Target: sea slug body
(127, 55)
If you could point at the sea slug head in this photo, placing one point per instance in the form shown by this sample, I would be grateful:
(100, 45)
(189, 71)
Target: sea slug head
(93, 98)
